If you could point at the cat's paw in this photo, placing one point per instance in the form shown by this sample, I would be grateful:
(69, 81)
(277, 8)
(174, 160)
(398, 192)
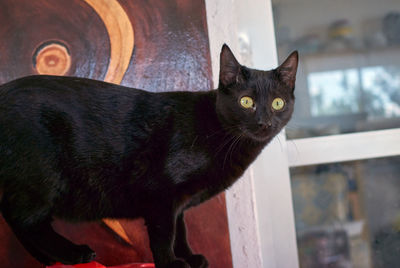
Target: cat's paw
(73, 255)
(197, 261)
(84, 254)
(178, 264)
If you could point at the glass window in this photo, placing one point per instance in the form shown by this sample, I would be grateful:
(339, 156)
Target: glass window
(334, 92)
(348, 214)
(381, 91)
(349, 72)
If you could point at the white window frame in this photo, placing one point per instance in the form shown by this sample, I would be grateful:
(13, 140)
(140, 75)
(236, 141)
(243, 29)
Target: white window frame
(260, 210)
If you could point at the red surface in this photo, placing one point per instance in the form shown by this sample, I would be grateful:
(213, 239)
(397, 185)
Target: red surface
(98, 265)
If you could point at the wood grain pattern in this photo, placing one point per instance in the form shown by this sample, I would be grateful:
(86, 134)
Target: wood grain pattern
(52, 59)
(171, 46)
(119, 230)
(26, 25)
(121, 36)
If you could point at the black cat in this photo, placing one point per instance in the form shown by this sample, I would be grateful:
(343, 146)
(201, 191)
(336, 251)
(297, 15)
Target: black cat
(83, 150)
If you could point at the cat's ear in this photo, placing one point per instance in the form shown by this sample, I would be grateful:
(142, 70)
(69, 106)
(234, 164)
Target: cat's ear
(288, 69)
(229, 67)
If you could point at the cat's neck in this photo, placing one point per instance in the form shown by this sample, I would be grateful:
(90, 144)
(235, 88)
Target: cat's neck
(232, 151)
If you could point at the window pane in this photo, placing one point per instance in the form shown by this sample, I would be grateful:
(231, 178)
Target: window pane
(382, 91)
(334, 92)
(349, 72)
(348, 214)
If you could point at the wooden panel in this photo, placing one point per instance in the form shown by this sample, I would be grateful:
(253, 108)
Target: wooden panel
(120, 32)
(26, 25)
(171, 46)
(170, 53)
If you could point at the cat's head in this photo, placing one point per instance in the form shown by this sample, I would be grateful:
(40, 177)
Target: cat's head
(252, 103)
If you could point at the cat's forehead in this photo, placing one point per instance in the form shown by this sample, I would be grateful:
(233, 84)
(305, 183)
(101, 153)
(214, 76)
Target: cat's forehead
(263, 80)
(260, 74)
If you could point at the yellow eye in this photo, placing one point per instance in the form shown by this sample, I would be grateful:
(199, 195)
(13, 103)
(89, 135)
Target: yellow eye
(278, 104)
(247, 102)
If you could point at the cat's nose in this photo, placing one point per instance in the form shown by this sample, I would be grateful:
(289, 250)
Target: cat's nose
(264, 124)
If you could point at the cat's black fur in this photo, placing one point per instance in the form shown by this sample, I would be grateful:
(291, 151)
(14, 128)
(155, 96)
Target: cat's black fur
(83, 150)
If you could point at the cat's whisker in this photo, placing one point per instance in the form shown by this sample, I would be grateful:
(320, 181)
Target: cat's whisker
(236, 144)
(280, 143)
(230, 134)
(224, 143)
(231, 149)
(295, 146)
(227, 152)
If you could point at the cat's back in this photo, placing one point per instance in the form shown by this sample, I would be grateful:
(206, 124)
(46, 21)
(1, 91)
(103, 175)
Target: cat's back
(30, 98)
(41, 89)
(48, 110)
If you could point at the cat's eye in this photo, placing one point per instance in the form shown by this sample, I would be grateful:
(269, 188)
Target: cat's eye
(278, 104)
(247, 102)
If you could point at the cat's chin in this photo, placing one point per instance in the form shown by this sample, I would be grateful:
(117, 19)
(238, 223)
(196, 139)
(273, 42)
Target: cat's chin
(260, 137)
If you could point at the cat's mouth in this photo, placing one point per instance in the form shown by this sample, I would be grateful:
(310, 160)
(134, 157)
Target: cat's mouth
(260, 134)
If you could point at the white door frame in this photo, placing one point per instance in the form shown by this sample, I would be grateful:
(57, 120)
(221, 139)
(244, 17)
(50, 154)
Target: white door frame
(259, 206)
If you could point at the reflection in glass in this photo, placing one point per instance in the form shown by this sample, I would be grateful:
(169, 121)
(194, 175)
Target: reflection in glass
(342, 92)
(349, 72)
(348, 214)
(381, 86)
(334, 92)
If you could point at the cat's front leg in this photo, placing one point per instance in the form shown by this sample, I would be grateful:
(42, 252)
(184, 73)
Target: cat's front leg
(161, 226)
(182, 248)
